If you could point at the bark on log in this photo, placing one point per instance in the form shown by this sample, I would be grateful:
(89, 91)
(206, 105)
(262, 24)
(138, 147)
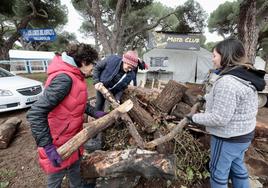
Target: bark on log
(165, 148)
(141, 116)
(92, 129)
(190, 95)
(180, 110)
(125, 117)
(178, 128)
(7, 130)
(134, 162)
(170, 95)
(144, 94)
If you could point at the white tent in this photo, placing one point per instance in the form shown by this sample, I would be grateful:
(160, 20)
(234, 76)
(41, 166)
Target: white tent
(30, 55)
(259, 63)
(182, 65)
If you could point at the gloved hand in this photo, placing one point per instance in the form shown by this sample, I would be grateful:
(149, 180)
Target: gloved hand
(53, 155)
(201, 99)
(190, 119)
(99, 114)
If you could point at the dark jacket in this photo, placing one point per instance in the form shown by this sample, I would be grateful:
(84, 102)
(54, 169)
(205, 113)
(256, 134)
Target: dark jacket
(106, 70)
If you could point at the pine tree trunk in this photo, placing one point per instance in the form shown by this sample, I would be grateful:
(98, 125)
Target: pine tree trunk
(248, 31)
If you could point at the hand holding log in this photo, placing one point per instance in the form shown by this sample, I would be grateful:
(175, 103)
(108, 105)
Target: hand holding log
(177, 128)
(125, 117)
(92, 129)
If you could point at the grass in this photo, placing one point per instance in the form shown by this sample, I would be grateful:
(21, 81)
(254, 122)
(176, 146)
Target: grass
(5, 176)
(43, 76)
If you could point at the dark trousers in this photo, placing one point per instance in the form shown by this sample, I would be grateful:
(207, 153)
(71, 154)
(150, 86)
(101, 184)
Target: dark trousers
(100, 101)
(73, 172)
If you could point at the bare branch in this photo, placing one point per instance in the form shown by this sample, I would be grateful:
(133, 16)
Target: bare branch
(262, 9)
(140, 30)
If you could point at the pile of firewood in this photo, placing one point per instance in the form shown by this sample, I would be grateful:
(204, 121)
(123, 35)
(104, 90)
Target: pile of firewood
(151, 140)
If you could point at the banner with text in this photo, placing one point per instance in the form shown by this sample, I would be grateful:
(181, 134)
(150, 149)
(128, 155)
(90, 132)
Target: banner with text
(40, 35)
(174, 41)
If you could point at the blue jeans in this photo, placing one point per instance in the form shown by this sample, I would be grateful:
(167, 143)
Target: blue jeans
(73, 172)
(227, 161)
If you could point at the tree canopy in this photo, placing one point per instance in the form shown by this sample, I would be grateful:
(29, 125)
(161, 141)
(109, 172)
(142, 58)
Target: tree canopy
(20, 14)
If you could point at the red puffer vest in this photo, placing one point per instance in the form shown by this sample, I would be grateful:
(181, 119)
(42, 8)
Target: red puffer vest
(66, 120)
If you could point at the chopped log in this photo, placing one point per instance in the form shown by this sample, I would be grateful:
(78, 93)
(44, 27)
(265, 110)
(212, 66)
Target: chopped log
(190, 95)
(92, 129)
(125, 117)
(169, 96)
(261, 130)
(165, 148)
(180, 110)
(141, 116)
(7, 130)
(133, 162)
(178, 128)
(146, 95)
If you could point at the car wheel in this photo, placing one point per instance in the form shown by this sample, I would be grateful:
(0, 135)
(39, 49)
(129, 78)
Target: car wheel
(262, 100)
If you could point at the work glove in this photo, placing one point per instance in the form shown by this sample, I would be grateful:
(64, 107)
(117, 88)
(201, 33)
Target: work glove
(99, 114)
(201, 99)
(190, 120)
(53, 155)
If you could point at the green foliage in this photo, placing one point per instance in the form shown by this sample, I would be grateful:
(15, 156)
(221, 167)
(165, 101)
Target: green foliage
(5, 177)
(59, 45)
(191, 17)
(224, 19)
(15, 15)
(210, 45)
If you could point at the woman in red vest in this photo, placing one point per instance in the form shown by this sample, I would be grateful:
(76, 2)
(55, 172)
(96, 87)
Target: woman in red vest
(58, 115)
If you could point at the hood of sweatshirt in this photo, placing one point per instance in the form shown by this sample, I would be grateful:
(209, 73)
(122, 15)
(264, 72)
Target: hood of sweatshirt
(254, 76)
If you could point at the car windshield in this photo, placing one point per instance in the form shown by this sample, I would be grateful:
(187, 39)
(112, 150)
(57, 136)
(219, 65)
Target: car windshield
(4, 73)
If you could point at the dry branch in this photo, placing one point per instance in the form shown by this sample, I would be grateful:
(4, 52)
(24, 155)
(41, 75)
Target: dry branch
(178, 128)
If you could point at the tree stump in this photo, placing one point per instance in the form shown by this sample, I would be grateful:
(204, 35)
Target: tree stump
(169, 96)
(7, 130)
(133, 162)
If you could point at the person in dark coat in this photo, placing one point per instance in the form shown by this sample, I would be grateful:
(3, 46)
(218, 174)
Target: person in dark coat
(58, 115)
(115, 73)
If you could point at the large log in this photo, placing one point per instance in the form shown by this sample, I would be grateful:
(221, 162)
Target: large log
(92, 129)
(141, 116)
(125, 117)
(133, 162)
(169, 96)
(180, 110)
(7, 130)
(146, 95)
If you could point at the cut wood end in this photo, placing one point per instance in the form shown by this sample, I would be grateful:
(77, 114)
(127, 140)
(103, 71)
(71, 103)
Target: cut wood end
(125, 107)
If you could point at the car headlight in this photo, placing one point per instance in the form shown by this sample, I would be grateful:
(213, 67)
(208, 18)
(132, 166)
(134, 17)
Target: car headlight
(5, 93)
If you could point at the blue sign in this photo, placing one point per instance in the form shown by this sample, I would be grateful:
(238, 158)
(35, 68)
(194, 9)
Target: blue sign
(40, 35)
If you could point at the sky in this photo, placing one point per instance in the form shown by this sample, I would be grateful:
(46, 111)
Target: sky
(75, 20)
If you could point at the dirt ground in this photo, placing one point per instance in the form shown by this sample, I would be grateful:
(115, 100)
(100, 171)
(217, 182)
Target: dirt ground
(18, 163)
